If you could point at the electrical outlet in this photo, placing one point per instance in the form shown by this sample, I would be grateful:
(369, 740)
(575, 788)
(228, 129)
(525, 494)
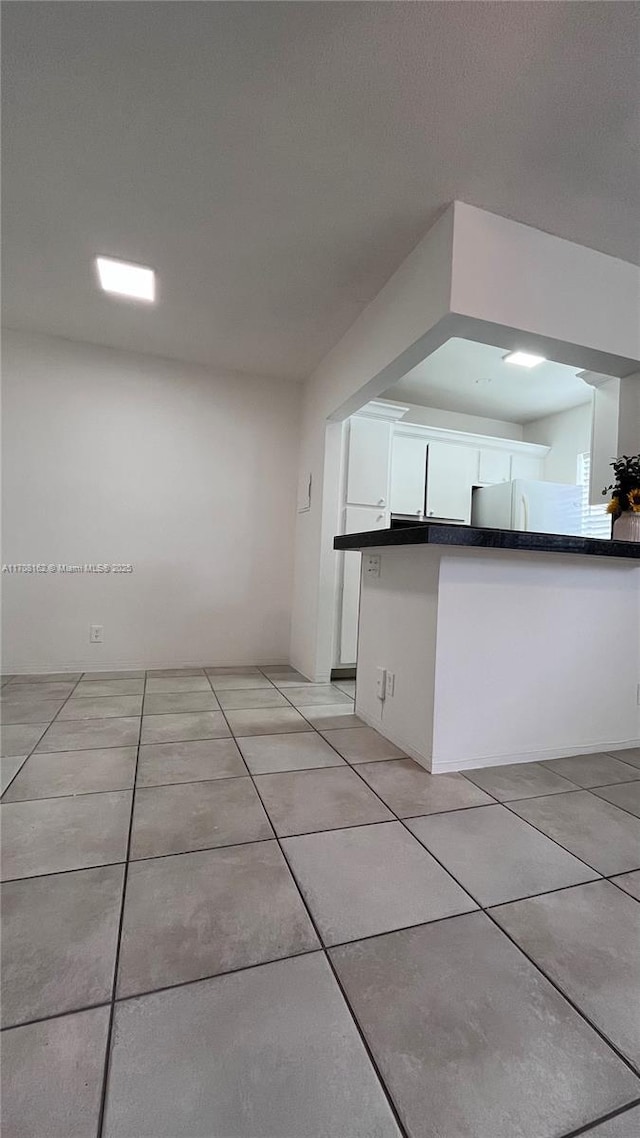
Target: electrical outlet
(390, 685)
(372, 564)
(381, 682)
(95, 633)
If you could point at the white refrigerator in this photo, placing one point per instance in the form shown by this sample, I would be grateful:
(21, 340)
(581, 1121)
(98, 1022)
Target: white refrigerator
(524, 504)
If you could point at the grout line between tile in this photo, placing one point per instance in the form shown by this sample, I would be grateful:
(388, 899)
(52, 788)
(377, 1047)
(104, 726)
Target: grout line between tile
(117, 789)
(116, 963)
(592, 790)
(545, 893)
(603, 1118)
(56, 872)
(15, 775)
(216, 975)
(620, 782)
(528, 798)
(54, 1015)
(204, 849)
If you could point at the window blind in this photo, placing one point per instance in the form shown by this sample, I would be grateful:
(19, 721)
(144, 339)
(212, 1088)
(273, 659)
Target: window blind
(595, 521)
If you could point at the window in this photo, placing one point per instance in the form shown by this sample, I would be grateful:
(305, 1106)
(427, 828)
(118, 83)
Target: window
(596, 522)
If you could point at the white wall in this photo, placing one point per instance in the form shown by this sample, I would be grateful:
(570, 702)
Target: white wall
(189, 476)
(568, 434)
(629, 415)
(547, 648)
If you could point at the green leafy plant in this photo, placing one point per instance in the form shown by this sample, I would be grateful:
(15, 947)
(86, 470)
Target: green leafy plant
(625, 491)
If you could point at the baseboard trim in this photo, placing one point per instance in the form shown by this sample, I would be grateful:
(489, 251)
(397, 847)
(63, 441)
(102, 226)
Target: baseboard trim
(129, 666)
(451, 766)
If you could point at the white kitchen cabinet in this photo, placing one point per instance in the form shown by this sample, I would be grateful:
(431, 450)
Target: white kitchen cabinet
(358, 519)
(451, 472)
(368, 461)
(524, 466)
(408, 472)
(494, 466)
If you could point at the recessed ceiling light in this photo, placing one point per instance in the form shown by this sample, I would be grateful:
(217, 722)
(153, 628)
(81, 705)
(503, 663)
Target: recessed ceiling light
(523, 359)
(124, 279)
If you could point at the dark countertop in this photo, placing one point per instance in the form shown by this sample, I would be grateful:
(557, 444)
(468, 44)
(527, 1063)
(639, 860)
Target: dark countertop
(439, 533)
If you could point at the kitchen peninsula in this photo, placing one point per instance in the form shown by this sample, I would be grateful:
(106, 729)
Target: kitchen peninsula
(499, 646)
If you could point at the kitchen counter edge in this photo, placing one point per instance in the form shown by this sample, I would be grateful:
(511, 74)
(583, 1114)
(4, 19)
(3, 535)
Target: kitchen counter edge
(439, 533)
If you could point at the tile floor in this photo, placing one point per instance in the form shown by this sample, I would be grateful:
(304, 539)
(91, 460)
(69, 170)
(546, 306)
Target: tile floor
(232, 910)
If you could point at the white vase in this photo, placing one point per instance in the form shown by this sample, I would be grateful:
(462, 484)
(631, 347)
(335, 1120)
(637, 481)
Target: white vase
(627, 527)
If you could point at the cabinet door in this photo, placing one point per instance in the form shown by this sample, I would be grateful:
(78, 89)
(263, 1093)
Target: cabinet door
(368, 463)
(523, 466)
(495, 466)
(451, 471)
(360, 519)
(408, 473)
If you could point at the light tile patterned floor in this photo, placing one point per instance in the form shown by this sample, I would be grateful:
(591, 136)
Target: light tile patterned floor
(231, 910)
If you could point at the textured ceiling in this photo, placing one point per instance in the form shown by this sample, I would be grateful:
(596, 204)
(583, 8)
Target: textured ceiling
(473, 378)
(275, 162)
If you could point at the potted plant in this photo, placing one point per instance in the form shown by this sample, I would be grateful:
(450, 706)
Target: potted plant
(625, 498)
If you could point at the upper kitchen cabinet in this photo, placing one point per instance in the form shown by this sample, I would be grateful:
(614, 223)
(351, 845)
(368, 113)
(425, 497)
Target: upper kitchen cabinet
(368, 462)
(451, 472)
(526, 466)
(408, 473)
(494, 466)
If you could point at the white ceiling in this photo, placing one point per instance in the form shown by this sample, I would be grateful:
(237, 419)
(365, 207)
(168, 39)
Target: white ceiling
(474, 378)
(276, 162)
